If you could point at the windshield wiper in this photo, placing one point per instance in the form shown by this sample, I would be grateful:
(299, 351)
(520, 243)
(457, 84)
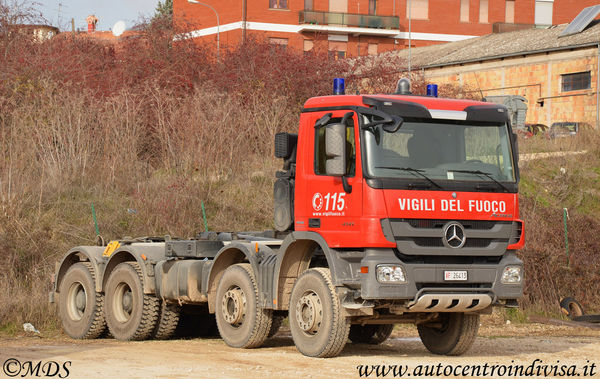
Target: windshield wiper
(413, 170)
(482, 173)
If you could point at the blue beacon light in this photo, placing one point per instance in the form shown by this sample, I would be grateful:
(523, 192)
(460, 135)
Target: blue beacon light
(432, 90)
(339, 86)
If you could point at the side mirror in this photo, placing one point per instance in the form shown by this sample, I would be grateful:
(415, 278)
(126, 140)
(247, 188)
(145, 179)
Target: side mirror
(335, 149)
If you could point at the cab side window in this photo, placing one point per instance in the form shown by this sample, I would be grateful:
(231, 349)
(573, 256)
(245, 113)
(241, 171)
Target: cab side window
(320, 156)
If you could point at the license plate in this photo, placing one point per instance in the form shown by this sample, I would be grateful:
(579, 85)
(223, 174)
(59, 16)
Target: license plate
(455, 275)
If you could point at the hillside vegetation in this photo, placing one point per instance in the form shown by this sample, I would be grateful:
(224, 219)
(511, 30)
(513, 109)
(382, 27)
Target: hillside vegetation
(149, 129)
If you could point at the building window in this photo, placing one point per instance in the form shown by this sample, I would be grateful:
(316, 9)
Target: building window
(543, 12)
(464, 10)
(278, 4)
(308, 5)
(509, 13)
(279, 43)
(338, 6)
(576, 81)
(308, 45)
(419, 9)
(372, 49)
(372, 6)
(483, 11)
(337, 49)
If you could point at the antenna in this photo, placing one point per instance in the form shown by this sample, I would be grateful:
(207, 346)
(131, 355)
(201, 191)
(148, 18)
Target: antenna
(59, 12)
(118, 28)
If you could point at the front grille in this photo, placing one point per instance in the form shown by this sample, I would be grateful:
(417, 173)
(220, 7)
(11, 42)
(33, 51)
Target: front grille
(448, 259)
(426, 236)
(453, 285)
(437, 242)
(438, 224)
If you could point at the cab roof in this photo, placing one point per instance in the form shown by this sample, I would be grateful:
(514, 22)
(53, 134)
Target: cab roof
(414, 106)
(426, 101)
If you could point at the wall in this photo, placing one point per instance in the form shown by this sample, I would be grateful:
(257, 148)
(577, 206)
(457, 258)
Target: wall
(536, 77)
(443, 22)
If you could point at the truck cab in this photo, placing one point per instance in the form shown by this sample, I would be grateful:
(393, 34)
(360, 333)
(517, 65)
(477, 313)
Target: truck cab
(419, 196)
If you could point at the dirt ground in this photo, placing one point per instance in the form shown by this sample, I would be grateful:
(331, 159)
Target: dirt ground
(497, 344)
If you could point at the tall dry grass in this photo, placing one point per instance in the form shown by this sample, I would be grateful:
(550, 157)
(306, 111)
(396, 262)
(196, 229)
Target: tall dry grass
(549, 185)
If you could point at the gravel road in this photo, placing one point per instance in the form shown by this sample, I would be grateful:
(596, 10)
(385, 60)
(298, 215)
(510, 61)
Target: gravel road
(498, 344)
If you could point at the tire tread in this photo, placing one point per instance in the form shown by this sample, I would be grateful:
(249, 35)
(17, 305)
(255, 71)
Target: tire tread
(98, 327)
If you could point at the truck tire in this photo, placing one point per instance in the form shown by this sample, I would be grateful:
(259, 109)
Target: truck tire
(167, 321)
(571, 307)
(240, 319)
(371, 334)
(80, 306)
(195, 321)
(318, 327)
(275, 325)
(454, 336)
(131, 315)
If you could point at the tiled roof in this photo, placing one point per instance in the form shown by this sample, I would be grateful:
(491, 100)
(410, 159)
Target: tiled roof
(501, 45)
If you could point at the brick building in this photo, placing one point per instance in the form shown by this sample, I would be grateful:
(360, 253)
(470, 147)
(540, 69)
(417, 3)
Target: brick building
(558, 75)
(360, 27)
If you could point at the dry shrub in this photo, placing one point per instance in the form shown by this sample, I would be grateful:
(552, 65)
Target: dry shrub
(547, 186)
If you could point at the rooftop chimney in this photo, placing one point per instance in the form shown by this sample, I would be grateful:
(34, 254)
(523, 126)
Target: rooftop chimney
(91, 21)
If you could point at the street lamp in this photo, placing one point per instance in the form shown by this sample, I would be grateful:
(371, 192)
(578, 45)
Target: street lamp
(216, 14)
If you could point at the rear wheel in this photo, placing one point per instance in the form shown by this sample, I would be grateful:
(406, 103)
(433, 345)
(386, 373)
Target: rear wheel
(276, 324)
(167, 322)
(318, 327)
(453, 334)
(79, 305)
(371, 334)
(195, 321)
(241, 321)
(130, 314)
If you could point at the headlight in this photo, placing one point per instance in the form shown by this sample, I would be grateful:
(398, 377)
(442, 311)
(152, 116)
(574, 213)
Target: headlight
(511, 275)
(390, 273)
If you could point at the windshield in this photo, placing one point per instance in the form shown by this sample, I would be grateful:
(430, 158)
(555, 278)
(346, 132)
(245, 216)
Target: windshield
(441, 150)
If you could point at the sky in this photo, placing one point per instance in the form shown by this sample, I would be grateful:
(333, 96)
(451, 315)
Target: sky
(59, 12)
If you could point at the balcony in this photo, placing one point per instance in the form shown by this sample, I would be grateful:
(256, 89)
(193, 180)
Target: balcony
(349, 23)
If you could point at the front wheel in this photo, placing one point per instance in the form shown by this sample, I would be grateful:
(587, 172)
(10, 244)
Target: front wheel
(370, 334)
(240, 319)
(318, 327)
(453, 334)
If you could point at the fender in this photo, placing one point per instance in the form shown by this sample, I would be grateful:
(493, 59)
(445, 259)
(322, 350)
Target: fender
(294, 258)
(93, 254)
(235, 252)
(152, 251)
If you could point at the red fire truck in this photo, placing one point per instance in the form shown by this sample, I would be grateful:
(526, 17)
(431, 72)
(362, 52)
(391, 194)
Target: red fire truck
(389, 209)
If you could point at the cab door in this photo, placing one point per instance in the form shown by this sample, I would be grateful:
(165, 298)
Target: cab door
(324, 206)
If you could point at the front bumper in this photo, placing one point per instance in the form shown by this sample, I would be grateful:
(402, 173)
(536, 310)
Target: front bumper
(428, 278)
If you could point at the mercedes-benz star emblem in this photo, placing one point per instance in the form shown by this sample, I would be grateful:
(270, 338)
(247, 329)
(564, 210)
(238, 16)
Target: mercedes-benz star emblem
(454, 235)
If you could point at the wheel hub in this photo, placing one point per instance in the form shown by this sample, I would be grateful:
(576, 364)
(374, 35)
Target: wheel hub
(80, 300)
(122, 302)
(127, 302)
(309, 312)
(76, 301)
(234, 306)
